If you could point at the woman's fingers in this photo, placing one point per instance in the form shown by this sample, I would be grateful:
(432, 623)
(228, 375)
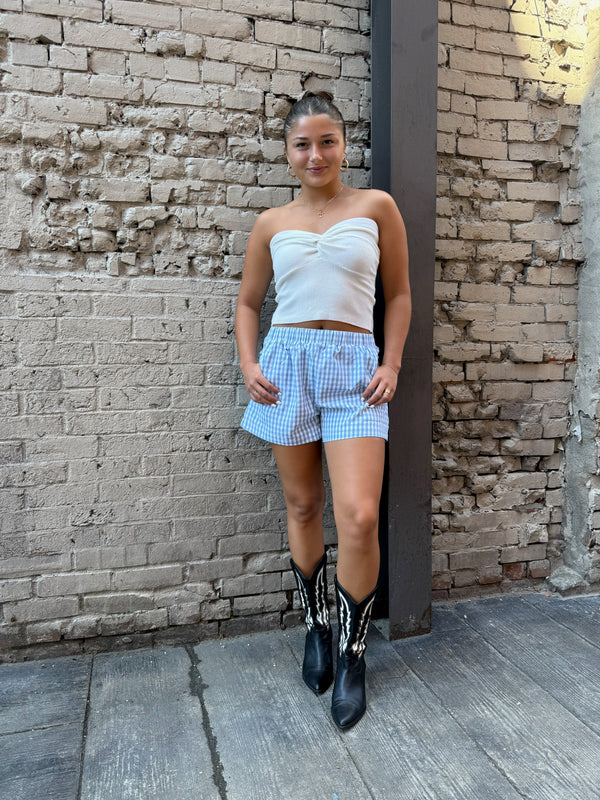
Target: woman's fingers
(266, 393)
(381, 388)
(259, 388)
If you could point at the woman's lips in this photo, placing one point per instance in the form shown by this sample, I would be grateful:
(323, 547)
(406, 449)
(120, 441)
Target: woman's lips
(316, 170)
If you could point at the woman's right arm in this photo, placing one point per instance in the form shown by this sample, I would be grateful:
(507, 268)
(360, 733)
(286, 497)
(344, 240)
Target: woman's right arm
(256, 277)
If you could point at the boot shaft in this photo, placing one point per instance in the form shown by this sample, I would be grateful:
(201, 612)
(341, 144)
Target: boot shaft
(313, 594)
(353, 620)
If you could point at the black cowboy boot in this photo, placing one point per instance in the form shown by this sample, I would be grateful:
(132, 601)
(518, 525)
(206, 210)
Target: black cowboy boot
(317, 669)
(349, 703)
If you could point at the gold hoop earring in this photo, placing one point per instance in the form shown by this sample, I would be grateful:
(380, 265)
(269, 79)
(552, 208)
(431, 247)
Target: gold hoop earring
(345, 165)
(290, 171)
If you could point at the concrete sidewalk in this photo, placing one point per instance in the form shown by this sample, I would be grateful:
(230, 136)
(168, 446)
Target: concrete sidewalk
(500, 702)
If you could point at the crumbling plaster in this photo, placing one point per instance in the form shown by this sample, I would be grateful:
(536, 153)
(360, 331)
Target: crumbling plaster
(580, 563)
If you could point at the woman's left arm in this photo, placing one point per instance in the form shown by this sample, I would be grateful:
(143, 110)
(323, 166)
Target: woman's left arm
(393, 268)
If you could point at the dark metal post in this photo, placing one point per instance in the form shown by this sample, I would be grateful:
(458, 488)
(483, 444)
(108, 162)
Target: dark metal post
(404, 132)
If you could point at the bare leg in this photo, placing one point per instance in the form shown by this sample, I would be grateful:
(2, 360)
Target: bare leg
(356, 472)
(301, 472)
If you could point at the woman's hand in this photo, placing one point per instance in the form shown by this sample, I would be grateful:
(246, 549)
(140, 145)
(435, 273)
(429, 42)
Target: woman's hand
(382, 386)
(259, 388)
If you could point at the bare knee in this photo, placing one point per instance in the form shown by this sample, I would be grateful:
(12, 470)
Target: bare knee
(358, 526)
(304, 508)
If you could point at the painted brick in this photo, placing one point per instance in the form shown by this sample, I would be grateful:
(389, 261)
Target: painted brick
(302, 61)
(257, 55)
(67, 584)
(152, 15)
(31, 27)
(88, 9)
(66, 109)
(484, 18)
(326, 14)
(276, 9)
(300, 37)
(101, 36)
(214, 23)
(67, 57)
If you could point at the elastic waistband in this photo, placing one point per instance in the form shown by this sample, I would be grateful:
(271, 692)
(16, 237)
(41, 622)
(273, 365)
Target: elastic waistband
(319, 336)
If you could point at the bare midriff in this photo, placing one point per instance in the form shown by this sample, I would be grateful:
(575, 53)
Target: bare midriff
(324, 325)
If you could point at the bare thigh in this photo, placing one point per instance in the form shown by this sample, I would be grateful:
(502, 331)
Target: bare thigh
(301, 473)
(356, 473)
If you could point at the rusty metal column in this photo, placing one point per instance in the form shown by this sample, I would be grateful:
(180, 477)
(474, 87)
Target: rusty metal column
(404, 132)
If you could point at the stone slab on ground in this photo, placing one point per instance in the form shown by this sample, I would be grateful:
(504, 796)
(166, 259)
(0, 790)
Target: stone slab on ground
(42, 713)
(499, 702)
(145, 730)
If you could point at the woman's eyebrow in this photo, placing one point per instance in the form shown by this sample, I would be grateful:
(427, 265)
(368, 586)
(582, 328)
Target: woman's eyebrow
(323, 136)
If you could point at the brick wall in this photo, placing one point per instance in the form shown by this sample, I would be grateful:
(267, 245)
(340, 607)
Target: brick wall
(511, 82)
(138, 142)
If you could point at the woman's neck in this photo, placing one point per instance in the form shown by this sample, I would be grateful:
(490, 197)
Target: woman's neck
(318, 197)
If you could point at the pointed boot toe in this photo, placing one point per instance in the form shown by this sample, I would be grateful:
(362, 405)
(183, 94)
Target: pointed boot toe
(346, 713)
(349, 702)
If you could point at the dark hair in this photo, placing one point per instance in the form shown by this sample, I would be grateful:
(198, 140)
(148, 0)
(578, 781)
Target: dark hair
(309, 105)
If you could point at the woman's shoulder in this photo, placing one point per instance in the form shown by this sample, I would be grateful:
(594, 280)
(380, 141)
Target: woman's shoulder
(377, 199)
(377, 204)
(265, 224)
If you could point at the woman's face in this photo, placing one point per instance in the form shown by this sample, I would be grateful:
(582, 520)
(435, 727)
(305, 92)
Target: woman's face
(315, 149)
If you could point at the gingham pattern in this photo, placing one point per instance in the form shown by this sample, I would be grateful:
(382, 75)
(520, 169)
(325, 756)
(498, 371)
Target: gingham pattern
(321, 375)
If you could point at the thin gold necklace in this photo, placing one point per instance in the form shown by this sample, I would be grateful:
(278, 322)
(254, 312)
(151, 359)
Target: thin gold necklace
(321, 211)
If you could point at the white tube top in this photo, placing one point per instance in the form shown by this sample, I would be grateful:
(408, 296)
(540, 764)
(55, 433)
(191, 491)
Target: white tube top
(327, 275)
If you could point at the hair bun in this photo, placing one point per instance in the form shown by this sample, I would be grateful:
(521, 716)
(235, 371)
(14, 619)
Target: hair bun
(320, 93)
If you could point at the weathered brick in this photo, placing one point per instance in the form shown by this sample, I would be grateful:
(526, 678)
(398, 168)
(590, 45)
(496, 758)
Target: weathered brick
(41, 609)
(68, 57)
(302, 61)
(300, 37)
(108, 62)
(82, 583)
(484, 18)
(486, 86)
(214, 23)
(257, 55)
(150, 15)
(34, 55)
(486, 293)
(88, 34)
(31, 27)
(276, 9)
(533, 552)
(482, 148)
(178, 93)
(469, 61)
(146, 578)
(67, 109)
(326, 14)
(86, 9)
(511, 372)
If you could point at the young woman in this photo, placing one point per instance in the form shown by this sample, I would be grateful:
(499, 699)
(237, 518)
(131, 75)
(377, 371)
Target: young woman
(317, 384)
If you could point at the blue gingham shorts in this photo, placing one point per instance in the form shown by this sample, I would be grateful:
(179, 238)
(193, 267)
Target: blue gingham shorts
(321, 375)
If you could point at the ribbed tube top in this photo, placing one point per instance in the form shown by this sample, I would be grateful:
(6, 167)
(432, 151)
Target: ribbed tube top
(327, 275)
